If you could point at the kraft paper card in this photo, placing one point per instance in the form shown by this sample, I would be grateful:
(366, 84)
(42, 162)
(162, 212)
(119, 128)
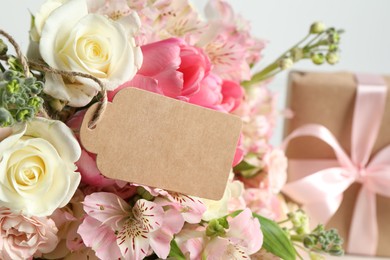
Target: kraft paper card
(153, 140)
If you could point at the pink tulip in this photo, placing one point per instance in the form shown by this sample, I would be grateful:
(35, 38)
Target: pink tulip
(170, 67)
(233, 95)
(218, 94)
(239, 155)
(209, 94)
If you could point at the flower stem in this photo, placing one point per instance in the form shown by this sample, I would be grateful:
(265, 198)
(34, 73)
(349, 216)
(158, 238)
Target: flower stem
(283, 221)
(273, 68)
(262, 75)
(298, 238)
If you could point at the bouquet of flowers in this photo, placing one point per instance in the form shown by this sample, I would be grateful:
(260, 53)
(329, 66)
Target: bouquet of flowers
(54, 201)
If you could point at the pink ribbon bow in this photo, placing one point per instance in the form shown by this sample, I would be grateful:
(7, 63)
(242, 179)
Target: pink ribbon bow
(321, 193)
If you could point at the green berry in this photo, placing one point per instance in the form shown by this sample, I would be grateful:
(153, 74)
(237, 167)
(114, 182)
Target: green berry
(286, 63)
(318, 58)
(317, 28)
(332, 58)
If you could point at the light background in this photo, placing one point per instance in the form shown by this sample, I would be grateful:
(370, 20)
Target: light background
(365, 45)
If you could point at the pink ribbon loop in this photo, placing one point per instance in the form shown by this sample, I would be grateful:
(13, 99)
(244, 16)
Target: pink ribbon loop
(321, 192)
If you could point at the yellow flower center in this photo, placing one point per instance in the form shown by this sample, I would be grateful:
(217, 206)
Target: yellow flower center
(26, 174)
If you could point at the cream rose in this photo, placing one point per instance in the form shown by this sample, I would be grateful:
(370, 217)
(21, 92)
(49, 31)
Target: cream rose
(74, 40)
(36, 28)
(37, 170)
(40, 17)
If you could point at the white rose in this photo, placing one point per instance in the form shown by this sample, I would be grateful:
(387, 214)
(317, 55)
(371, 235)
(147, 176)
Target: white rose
(37, 170)
(74, 40)
(36, 28)
(40, 17)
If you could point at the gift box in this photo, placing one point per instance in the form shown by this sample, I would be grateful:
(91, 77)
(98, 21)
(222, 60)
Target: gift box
(339, 155)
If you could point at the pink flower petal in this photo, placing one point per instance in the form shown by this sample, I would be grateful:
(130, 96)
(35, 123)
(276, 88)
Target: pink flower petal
(209, 94)
(160, 56)
(171, 83)
(173, 222)
(244, 230)
(107, 208)
(90, 174)
(133, 240)
(239, 155)
(149, 214)
(138, 81)
(191, 208)
(222, 248)
(195, 66)
(233, 95)
(101, 238)
(160, 243)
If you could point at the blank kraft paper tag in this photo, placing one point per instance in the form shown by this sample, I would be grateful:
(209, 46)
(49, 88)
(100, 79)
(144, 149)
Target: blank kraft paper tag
(153, 140)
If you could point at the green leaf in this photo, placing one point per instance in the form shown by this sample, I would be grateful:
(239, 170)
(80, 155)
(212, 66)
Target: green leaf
(275, 239)
(243, 166)
(176, 252)
(32, 21)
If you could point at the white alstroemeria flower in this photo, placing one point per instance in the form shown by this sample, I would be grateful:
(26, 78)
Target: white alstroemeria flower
(37, 170)
(220, 208)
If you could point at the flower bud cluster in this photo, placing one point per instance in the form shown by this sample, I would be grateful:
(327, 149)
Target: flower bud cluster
(216, 227)
(317, 242)
(300, 222)
(326, 47)
(322, 46)
(19, 100)
(327, 241)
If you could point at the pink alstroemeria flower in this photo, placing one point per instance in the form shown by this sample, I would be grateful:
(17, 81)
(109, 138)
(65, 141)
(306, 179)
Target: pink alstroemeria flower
(228, 42)
(113, 229)
(191, 208)
(242, 239)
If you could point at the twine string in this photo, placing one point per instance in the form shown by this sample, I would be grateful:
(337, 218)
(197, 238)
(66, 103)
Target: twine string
(70, 74)
(102, 104)
(22, 58)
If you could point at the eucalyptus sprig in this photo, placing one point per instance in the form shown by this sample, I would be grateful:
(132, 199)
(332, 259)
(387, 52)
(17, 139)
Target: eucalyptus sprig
(19, 95)
(320, 45)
